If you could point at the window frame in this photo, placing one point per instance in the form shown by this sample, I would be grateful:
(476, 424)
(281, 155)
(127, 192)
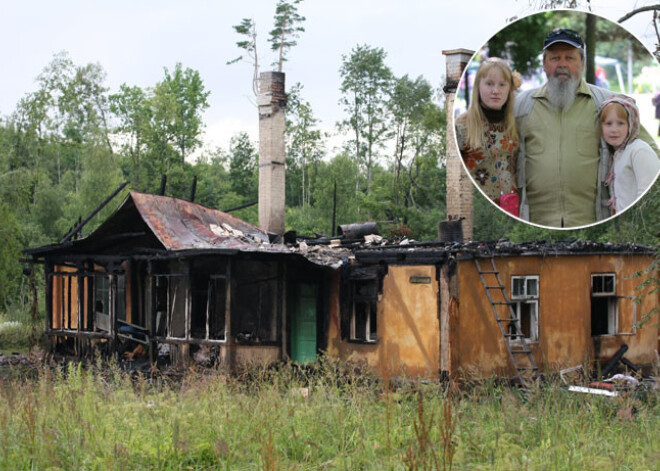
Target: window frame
(529, 299)
(211, 293)
(257, 321)
(370, 327)
(612, 304)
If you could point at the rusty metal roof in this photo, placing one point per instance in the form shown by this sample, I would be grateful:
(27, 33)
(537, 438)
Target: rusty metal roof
(182, 225)
(176, 225)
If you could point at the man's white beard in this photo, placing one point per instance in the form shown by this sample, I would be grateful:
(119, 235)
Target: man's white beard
(561, 93)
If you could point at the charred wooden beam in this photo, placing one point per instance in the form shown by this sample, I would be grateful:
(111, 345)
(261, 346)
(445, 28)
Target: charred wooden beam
(334, 209)
(357, 230)
(80, 225)
(163, 185)
(193, 190)
(236, 208)
(613, 362)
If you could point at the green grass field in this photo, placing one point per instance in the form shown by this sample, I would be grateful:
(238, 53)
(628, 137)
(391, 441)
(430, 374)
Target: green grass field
(334, 418)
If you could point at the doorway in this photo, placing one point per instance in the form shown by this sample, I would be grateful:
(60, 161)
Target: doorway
(303, 304)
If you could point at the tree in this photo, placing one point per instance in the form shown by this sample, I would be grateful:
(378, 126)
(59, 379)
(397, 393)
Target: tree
(131, 107)
(287, 29)
(247, 28)
(342, 172)
(288, 26)
(76, 103)
(521, 42)
(177, 106)
(365, 88)
(213, 182)
(304, 147)
(243, 167)
(656, 20)
(407, 105)
(10, 270)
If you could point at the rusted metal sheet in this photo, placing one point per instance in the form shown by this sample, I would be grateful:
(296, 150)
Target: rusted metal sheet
(182, 225)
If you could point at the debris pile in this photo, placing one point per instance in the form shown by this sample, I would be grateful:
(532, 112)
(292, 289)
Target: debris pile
(611, 386)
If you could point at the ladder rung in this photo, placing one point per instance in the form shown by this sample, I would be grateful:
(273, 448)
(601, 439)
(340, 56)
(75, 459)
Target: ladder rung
(511, 341)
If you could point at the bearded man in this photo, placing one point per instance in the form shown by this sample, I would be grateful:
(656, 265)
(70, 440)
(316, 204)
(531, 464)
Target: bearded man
(560, 172)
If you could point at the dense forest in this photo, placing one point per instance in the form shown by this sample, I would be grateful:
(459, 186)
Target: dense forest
(73, 141)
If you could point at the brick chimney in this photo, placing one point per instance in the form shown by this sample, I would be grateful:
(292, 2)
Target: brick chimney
(271, 102)
(460, 205)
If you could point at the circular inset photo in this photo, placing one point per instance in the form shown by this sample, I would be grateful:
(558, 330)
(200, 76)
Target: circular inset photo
(551, 119)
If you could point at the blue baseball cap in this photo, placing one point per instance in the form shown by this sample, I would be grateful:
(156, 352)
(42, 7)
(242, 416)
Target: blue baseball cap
(563, 35)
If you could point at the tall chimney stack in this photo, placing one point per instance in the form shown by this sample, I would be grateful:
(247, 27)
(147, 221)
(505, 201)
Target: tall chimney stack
(272, 156)
(460, 206)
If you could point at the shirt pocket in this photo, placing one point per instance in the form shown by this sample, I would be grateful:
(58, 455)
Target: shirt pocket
(587, 140)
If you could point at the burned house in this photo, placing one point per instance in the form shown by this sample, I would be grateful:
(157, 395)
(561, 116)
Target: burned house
(166, 272)
(481, 309)
(179, 279)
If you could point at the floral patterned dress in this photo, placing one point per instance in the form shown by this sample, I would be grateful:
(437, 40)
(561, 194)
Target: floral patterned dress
(492, 168)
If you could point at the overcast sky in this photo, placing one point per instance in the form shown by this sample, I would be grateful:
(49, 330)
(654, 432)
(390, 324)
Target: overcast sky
(134, 39)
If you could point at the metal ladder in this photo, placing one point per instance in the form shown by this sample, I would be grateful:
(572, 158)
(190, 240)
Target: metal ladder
(497, 297)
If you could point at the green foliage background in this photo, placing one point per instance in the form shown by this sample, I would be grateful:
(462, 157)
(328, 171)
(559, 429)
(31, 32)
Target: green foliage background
(71, 142)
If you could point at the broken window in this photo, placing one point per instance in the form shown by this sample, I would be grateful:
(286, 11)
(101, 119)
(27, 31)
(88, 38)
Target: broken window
(120, 298)
(364, 312)
(209, 294)
(525, 298)
(161, 289)
(176, 306)
(109, 293)
(361, 287)
(255, 301)
(171, 297)
(102, 302)
(604, 304)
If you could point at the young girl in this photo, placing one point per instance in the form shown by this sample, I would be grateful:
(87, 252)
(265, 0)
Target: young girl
(486, 133)
(634, 165)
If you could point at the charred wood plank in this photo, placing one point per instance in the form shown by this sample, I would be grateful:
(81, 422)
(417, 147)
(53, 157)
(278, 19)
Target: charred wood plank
(80, 225)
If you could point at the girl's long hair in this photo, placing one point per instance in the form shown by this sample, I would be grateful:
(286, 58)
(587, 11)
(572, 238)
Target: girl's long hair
(475, 114)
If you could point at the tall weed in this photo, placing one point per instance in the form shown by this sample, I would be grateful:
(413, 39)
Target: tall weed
(327, 416)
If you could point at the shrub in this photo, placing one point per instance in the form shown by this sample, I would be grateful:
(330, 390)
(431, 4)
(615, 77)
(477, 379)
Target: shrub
(14, 335)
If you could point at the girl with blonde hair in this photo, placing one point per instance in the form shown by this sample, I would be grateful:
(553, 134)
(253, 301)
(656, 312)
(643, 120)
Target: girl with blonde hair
(486, 133)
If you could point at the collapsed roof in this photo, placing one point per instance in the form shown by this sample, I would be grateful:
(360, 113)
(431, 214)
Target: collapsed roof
(152, 225)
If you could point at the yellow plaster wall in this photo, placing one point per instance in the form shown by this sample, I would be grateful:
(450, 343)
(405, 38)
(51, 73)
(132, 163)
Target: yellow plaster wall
(564, 313)
(408, 326)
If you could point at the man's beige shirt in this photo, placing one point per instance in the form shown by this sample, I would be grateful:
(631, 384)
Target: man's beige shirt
(562, 160)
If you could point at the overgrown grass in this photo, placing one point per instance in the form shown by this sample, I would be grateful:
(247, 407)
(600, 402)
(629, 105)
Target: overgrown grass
(331, 417)
(13, 336)
(18, 331)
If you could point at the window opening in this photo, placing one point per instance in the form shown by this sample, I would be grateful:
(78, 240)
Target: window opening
(255, 306)
(525, 298)
(120, 299)
(102, 302)
(364, 311)
(604, 304)
(208, 307)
